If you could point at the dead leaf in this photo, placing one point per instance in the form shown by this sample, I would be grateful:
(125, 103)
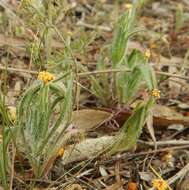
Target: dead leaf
(165, 116)
(87, 149)
(146, 176)
(150, 127)
(177, 127)
(103, 171)
(88, 118)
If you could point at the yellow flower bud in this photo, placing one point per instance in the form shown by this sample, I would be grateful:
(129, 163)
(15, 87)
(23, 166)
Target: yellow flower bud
(147, 54)
(60, 152)
(156, 93)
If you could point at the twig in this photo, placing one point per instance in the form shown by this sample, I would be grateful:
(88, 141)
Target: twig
(165, 143)
(103, 72)
(11, 69)
(131, 156)
(82, 74)
(171, 75)
(104, 28)
(179, 174)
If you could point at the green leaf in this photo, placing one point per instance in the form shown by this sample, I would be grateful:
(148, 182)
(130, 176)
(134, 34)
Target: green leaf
(43, 109)
(135, 58)
(124, 30)
(131, 130)
(132, 85)
(149, 76)
(5, 132)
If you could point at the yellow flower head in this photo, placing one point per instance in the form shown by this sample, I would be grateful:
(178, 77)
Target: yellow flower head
(128, 6)
(159, 184)
(60, 152)
(156, 93)
(147, 54)
(45, 76)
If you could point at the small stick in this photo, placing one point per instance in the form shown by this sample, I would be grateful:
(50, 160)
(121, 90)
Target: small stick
(10, 69)
(103, 72)
(179, 174)
(82, 74)
(171, 75)
(130, 156)
(165, 143)
(103, 28)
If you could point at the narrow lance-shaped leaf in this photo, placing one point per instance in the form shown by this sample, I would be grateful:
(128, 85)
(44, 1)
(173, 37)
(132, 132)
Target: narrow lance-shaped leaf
(123, 31)
(149, 76)
(131, 130)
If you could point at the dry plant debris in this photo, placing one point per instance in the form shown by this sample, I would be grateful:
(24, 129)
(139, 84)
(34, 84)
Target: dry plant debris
(94, 95)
